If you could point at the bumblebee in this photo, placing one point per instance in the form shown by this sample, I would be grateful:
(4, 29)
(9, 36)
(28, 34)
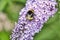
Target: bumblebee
(30, 15)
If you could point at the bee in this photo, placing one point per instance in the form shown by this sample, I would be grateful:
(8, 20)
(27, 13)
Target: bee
(30, 15)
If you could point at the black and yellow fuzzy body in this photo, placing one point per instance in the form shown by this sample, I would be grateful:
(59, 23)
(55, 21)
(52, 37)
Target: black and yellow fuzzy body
(30, 15)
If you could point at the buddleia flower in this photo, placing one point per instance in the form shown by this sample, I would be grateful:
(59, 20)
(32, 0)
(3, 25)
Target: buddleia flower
(32, 17)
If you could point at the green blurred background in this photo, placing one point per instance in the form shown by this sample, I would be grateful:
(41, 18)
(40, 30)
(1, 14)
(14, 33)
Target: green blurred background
(11, 9)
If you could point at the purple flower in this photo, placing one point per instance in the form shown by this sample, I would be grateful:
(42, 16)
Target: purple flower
(32, 17)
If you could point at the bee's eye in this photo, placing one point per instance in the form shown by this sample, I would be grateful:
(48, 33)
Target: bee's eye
(30, 15)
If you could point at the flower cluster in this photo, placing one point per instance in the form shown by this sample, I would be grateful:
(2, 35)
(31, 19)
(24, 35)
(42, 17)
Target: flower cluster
(38, 12)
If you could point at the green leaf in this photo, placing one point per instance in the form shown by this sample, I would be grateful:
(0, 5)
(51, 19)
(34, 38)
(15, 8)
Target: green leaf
(20, 1)
(4, 35)
(2, 4)
(12, 11)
